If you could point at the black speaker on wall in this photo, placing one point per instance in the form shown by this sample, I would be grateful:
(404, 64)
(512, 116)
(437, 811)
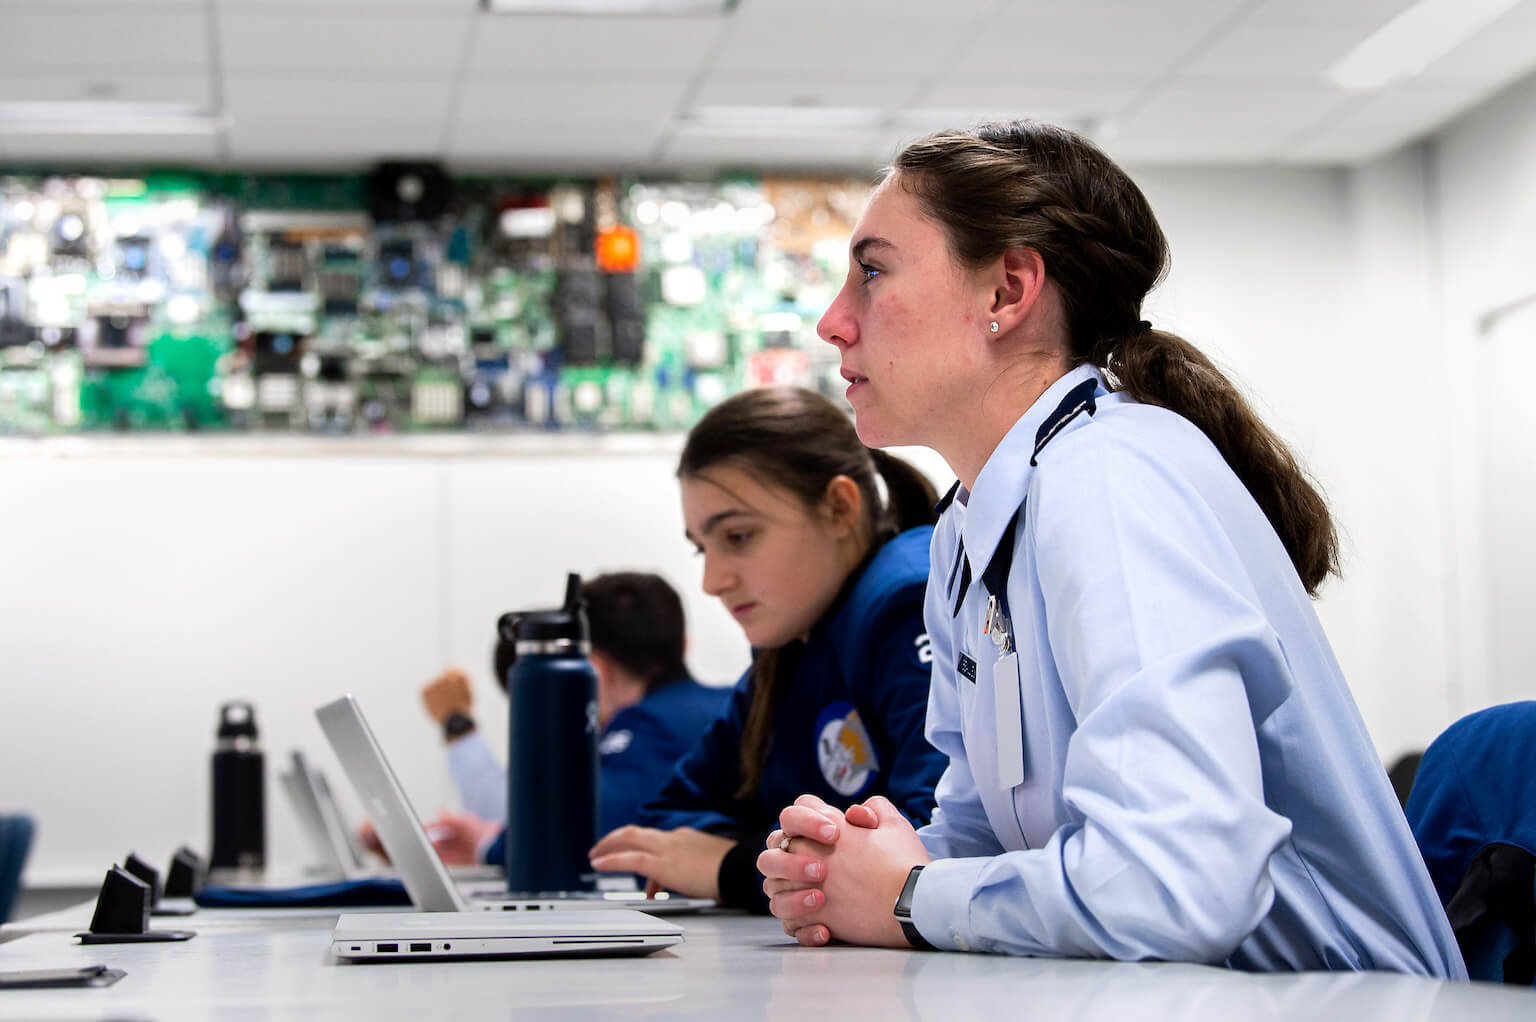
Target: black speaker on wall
(400, 192)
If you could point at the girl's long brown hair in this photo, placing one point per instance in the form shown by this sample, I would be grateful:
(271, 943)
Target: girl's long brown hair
(797, 441)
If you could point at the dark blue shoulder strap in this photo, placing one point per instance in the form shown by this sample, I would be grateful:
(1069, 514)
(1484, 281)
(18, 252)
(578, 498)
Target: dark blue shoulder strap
(1078, 400)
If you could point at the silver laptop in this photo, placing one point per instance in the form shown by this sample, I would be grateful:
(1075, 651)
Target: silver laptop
(336, 846)
(402, 936)
(321, 822)
(410, 850)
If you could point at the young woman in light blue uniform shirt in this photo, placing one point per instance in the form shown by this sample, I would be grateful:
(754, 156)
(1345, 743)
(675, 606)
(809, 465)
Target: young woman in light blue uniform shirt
(1152, 751)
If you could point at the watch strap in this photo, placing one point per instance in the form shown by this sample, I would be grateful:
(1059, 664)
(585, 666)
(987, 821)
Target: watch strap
(457, 724)
(903, 912)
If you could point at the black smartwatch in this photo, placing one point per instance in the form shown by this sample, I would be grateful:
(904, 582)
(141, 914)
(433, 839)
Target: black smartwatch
(456, 725)
(903, 912)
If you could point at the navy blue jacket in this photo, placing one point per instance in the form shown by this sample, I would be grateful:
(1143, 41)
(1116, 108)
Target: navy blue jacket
(640, 748)
(849, 723)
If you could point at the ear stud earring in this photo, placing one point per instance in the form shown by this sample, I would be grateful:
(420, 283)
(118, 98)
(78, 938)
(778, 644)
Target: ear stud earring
(993, 326)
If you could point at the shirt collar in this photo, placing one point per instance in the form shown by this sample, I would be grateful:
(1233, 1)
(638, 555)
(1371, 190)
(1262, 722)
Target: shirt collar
(1004, 479)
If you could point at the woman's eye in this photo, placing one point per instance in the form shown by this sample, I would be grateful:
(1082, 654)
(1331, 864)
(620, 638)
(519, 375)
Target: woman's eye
(737, 538)
(870, 273)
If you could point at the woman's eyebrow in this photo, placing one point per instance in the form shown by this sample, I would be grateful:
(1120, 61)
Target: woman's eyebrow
(712, 521)
(863, 245)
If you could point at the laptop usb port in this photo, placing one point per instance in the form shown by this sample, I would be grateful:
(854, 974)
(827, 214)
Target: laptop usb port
(380, 948)
(421, 947)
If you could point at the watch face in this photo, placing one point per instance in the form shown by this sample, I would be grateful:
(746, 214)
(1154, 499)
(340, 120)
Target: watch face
(904, 901)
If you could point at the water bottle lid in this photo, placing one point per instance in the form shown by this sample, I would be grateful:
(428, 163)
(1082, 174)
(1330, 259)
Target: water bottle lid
(237, 719)
(566, 622)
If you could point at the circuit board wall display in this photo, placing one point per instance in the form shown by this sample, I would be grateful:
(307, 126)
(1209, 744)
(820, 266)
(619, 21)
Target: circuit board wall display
(405, 300)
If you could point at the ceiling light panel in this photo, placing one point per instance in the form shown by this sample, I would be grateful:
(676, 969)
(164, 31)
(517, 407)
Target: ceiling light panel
(1413, 40)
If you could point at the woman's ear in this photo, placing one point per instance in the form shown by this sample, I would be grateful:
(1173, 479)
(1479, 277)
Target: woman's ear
(843, 504)
(1018, 278)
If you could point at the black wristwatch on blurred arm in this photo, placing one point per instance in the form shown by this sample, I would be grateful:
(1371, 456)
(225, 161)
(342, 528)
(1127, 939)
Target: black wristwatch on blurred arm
(456, 725)
(903, 912)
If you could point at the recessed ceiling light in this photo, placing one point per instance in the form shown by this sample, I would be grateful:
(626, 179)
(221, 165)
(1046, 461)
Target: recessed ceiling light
(1413, 40)
(106, 118)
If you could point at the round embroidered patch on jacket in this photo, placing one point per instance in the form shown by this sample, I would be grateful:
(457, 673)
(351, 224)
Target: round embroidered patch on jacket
(843, 750)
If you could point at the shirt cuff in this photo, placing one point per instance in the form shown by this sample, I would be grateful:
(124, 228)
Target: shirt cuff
(492, 849)
(741, 885)
(941, 903)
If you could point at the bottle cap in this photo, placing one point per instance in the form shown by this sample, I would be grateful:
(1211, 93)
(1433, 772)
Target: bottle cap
(237, 719)
(565, 622)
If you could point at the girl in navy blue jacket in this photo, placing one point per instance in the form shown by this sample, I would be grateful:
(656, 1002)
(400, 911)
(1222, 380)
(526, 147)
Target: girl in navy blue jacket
(826, 577)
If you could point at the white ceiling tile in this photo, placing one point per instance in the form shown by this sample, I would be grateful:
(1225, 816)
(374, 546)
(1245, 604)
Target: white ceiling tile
(273, 98)
(559, 144)
(1379, 123)
(549, 97)
(1031, 95)
(111, 149)
(915, 47)
(1500, 53)
(1362, 16)
(851, 150)
(1199, 123)
(84, 40)
(591, 46)
(1093, 37)
(105, 84)
(875, 90)
(328, 141)
(9, 7)
(1275, 53)
(387, 41)
(810, 12)
(352, 6)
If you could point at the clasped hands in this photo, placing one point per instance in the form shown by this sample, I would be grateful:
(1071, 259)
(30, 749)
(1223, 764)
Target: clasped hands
(842, 872)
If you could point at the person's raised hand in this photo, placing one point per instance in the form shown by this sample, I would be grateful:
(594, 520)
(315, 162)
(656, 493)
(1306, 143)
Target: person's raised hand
(447, 694)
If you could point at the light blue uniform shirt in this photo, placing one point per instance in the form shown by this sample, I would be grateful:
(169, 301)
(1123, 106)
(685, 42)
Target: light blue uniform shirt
(479, 776)
(1197, 783)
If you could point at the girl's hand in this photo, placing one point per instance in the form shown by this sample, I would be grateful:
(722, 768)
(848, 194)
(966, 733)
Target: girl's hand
(843, 890)
(684, 860)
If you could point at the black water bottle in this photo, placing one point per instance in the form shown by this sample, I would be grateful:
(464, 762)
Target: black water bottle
(239, 803)
(552, 759)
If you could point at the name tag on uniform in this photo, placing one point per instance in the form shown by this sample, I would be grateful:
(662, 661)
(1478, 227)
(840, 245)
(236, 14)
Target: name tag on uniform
(966, 667)
(1010, 721)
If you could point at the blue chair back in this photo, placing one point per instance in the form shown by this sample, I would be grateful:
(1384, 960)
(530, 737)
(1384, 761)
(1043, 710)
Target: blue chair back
(1473, 814)
(15, 841)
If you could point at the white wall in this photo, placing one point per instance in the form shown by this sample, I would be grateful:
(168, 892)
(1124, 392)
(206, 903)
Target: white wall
(143, 581)
(1485, 204)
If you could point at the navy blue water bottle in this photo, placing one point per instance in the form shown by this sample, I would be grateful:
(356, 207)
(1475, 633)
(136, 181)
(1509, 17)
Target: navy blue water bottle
(552, 759)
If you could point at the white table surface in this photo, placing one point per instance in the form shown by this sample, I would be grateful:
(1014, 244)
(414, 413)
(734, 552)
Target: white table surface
(260, 964)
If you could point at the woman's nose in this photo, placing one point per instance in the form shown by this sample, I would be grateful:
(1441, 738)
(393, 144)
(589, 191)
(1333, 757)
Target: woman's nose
(716, 577)
(836, 325)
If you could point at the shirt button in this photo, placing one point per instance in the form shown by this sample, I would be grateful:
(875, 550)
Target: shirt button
(960, 942)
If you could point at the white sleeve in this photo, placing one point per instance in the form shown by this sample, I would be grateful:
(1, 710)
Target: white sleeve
(481, 780)
(1165, 660)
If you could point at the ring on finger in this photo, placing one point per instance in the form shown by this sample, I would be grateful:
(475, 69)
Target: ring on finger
(784, 845)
